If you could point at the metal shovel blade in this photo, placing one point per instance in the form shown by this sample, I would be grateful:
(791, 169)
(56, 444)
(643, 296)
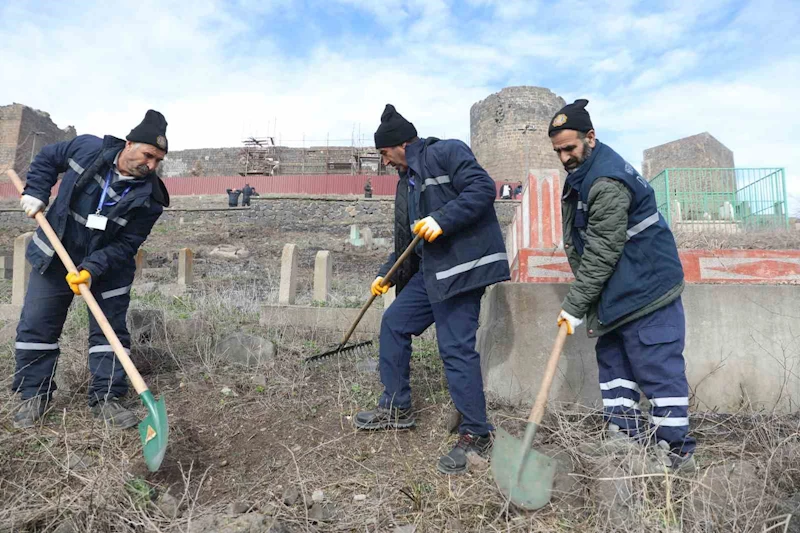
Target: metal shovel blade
(154, 430)
(522, 474)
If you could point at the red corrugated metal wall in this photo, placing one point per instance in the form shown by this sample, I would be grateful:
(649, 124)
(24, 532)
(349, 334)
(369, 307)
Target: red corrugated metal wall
(307, 184)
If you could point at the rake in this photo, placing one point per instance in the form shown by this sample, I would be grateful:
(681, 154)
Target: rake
(361, 347)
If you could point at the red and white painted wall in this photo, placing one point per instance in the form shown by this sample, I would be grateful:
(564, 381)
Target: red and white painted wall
(536, 249)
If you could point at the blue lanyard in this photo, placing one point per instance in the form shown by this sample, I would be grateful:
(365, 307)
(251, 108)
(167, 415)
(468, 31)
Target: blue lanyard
(102, 203)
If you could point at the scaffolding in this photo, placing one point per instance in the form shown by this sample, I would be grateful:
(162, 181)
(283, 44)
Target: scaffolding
(259, 157)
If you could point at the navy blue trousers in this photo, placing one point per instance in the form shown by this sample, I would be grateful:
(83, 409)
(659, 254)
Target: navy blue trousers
(456, 324)
(43, 314)
(646, 357)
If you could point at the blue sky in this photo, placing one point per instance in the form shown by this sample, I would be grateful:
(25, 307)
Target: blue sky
(309, 69)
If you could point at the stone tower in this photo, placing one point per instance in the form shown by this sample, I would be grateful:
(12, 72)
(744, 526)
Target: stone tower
(508, 132)
(23, 132)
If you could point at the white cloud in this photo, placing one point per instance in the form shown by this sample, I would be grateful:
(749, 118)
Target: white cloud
(668, 67)
(221, 71)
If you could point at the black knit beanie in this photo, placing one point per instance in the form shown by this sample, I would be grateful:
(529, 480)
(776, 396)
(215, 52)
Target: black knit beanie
(571, 117)
(152, 130)
(394, 129)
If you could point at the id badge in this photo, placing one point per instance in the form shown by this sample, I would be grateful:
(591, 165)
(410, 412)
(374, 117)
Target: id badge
(97, 222)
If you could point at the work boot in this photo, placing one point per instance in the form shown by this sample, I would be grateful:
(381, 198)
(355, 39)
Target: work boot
(455, 462)
(30, 411)
(614, 442)
(385, 418)
(114, 414)
(665, 460)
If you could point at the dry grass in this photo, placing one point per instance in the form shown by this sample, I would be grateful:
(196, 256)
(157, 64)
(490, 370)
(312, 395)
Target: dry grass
(750, 240)
(287, 429)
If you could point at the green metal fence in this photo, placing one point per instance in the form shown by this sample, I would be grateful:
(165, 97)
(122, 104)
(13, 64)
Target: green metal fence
(728, 199)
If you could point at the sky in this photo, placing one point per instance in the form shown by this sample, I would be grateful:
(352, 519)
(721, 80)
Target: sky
(309, 71)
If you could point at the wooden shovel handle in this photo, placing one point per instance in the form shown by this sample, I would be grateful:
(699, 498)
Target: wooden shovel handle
(136, 378)
(552, 365)
(409, 249)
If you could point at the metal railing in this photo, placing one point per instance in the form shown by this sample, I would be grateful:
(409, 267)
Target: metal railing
(723, 199)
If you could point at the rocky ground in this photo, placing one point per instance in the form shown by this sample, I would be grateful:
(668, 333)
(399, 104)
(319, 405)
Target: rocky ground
(261, 442)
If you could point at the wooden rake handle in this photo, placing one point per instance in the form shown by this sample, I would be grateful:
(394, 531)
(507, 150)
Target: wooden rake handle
(408, 251)
(136, 378)
(552, 365)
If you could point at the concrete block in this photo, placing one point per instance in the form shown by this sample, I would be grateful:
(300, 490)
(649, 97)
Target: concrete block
(335, 319)
(9, 312)
(6, 266)
(185, 265)
(22, 269)
(389, 297)
(288, 288)
(366, 236)
(141, 263)
(737, 354)
(323, 273)
(676, 211)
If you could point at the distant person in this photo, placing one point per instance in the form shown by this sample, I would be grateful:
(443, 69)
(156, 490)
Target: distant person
(247, 192)
(368, 188)
(446, 197)
(517, 190)
(505, 192)
(233, 197)
(628, 285)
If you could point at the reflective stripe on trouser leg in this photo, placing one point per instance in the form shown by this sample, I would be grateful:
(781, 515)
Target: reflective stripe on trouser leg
(410, 314)
(36, 347)
(456, 326)
(617, 385)
(108, 375)
(654, 345)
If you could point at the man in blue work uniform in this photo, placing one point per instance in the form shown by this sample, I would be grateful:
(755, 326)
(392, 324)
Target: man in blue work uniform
(445, 196)
(628, 285)
(107, 203)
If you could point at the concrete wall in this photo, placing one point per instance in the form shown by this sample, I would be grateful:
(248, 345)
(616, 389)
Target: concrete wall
(742, 346)
(201, 162)
(10, 117)
(23, 132)
(231, 161)
(290, 213)
(508, 131)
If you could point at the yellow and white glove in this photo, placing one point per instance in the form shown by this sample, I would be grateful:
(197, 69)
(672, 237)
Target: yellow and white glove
(428, 229)
(377, 289)
(81, 278)
(571, 321)
(31, 205)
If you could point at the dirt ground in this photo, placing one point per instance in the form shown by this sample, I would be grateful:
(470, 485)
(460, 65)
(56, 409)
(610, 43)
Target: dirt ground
(271, 447)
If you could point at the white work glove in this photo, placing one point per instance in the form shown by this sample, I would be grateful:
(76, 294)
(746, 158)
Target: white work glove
(31, 205)
(571, 321)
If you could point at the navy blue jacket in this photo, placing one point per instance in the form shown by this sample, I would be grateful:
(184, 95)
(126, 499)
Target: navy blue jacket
(649, 266)
(458, 193)
(85, 160)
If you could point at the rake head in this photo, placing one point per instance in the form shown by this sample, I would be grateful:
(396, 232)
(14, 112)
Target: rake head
(359, 348)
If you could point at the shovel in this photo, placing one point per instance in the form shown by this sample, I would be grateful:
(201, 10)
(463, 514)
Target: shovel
(154, 428)
(522, 474)
(341, 348)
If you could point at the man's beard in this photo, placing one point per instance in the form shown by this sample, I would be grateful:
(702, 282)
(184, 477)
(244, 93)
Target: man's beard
(575, 163)
(140, 171)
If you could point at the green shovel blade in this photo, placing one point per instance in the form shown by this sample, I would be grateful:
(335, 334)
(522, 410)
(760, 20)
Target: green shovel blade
(154, 430)
(522, 474)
